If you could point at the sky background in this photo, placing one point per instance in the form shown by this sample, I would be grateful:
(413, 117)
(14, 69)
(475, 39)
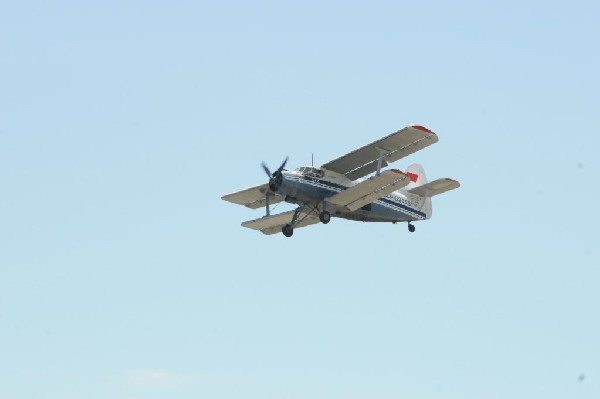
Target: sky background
(124, 275)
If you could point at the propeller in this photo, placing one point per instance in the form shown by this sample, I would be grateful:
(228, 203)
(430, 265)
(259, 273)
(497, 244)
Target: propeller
(275, 178)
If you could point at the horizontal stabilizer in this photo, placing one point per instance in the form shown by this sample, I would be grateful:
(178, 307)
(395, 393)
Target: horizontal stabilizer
(273, 224)
(435, 187)
(253, 197)
(370, 190)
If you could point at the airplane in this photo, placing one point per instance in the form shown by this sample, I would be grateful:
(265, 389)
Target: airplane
(339, 187)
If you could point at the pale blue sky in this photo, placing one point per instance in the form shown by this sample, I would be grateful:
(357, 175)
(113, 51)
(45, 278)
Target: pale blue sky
(123, 274)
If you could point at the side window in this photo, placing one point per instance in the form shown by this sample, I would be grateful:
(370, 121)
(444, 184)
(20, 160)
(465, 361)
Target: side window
(314, 172)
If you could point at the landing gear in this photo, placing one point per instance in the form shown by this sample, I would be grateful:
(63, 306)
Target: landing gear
(411, 227)
(287, 230)
(324, 217)
(301, 213)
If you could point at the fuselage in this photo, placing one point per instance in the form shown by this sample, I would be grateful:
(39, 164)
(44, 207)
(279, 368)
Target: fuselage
(313, 186)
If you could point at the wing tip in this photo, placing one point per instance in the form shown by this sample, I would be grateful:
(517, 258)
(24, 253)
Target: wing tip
(404, 174)
(454, 181)
(422, 128)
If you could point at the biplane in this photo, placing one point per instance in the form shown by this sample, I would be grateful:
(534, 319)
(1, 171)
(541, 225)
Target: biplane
(341, 188)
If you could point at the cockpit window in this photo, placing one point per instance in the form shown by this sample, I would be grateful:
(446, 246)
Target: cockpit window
(310, 172)
(313, 172)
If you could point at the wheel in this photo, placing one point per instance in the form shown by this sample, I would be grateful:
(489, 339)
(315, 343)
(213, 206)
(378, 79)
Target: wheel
(324, 217)
(411, 228)
(287, 230)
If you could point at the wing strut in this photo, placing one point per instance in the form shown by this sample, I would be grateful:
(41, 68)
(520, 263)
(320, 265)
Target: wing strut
(382, 153)
(267, 203)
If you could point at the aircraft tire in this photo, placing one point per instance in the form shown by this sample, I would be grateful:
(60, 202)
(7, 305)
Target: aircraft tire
(324, 217)
(411, 228)
(287, 230)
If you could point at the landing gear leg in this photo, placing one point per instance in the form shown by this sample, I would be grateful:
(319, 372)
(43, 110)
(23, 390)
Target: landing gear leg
(301, 213)
(288, 229)
(411, 227)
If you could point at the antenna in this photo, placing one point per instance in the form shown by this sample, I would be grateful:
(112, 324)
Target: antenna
(312, 160)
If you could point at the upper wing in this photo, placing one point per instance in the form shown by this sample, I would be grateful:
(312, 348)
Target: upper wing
(253, 197)
(363, 161)
(435, 187)
(370, 190)
(273, 224)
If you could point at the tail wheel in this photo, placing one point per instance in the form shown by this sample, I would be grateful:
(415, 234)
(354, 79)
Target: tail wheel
(287, 230)
(324, 217)
(411, 228)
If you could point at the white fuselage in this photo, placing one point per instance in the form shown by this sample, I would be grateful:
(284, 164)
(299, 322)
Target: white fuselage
(313, 186)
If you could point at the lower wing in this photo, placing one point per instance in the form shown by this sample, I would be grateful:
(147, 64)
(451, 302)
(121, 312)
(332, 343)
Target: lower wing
(274, 223)
(253, 197)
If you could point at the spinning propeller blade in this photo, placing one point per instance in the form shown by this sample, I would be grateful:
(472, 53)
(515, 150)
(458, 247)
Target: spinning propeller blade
(275, 178)
(283, 164)
(266, 169)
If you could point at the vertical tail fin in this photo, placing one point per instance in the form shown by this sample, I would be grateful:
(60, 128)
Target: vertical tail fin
(418, 178)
